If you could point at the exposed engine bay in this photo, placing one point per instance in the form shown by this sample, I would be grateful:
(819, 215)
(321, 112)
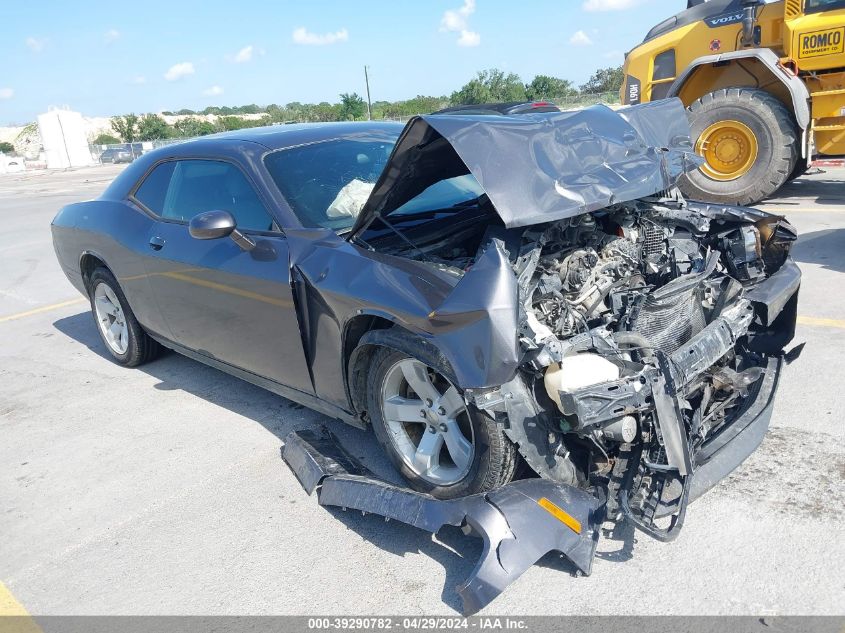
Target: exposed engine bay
(639, 340)
(641, 294)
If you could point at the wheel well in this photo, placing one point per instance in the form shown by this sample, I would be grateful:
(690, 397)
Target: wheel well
(87, 265)
(737, 73)
(355, 362)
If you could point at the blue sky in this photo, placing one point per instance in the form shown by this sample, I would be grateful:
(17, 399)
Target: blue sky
(114, 57)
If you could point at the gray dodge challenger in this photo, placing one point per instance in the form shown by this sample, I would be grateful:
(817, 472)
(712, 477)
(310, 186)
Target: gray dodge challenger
(534, 322)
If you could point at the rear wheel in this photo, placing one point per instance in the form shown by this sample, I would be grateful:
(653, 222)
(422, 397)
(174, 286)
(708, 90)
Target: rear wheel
(749, 142)
(120, 331)
(440, 444)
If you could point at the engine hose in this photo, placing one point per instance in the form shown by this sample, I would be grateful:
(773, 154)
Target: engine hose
(637, 341)
(603, 295)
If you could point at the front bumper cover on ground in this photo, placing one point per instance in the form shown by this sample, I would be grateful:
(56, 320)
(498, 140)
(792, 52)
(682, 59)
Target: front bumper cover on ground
(522, 521)
(519, 523)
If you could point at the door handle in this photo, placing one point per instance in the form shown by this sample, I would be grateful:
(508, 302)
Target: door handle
(156, 243)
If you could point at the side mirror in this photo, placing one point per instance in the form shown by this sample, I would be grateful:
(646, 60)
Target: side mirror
(211, 225)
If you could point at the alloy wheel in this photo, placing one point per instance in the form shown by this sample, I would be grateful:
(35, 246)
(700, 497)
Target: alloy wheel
(428, 422)
(111, 318)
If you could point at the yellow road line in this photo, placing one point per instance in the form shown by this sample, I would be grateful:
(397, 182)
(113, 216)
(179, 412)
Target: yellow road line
(14, 618)
(805, 320)
(9, 604)
(52, 306)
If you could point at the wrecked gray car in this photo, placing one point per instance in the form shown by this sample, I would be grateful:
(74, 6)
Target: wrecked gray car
(497, 297)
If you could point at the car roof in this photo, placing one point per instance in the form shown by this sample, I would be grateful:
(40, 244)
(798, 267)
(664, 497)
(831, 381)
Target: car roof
(505, 108)
(280, 136)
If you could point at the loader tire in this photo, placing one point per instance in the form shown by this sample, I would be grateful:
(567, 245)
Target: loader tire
(749, 140)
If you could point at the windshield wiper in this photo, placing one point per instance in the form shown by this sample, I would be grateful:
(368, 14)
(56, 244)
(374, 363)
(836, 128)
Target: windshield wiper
(402, 237)
(458, 206)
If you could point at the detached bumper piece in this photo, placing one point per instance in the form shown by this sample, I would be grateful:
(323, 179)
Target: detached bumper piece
(519, 523)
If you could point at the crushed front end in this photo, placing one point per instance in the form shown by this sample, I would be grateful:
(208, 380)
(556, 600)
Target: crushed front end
(628, 341)
(652, 336)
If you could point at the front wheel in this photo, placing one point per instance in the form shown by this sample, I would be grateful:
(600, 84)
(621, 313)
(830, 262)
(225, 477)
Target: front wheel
(440, 444)
(749, 142)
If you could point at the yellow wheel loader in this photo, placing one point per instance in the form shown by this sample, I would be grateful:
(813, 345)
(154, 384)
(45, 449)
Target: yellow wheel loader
(764, 87)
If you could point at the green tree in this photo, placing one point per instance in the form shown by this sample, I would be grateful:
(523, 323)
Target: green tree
(323, 111)
(474, 91)
(352, 107)
(151, 127)
(6, 148)
(248, 109)
(604, 80)
(490, 86)
(276, 113)
(105, 139)
(126, 127)
(505, 87)
(229, 123)
(192, 126)
(546, 87)
(296, 108)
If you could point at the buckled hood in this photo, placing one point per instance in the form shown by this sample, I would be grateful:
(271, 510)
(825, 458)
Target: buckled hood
(541, 167)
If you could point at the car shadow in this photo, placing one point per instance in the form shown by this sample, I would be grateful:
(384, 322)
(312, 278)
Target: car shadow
(825, 248)
(458, 554)
(825, 190)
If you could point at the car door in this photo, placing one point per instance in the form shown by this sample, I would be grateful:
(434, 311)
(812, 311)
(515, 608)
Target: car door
(227, 303)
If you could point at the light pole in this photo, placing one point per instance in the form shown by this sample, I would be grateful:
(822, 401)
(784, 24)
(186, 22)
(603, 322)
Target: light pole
(369, 106)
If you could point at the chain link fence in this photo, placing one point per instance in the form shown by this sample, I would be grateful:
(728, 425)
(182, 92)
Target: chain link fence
(586, 99)
(134, 149)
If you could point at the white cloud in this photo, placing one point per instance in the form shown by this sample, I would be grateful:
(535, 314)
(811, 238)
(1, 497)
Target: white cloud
(304, 36)
(469, 38)
(36, 44)
(111, 36)
(6, 93)
(611, 5)
(243, 55)
(178, 71)
(455, 20)
(139, 80)
(580, 39)
(213, 91)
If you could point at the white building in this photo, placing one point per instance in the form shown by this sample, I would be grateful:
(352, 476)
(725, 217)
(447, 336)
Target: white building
(64, 139)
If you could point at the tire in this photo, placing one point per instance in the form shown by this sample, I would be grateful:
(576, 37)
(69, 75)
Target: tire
(137, 347)
(493, 457)
(777, 139)
(801, 168)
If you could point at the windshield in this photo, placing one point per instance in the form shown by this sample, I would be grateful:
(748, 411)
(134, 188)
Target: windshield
(442, 195)
(327, 183)
(816, 6)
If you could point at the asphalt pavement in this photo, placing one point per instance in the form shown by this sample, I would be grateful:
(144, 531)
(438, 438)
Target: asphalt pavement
(160, 490)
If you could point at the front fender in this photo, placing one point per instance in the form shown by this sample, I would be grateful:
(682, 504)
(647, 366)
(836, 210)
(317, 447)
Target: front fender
(470, 320)
(797, 90)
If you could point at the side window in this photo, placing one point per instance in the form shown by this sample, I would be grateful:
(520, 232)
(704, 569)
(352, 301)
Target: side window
(153, 190)
(194, 186)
